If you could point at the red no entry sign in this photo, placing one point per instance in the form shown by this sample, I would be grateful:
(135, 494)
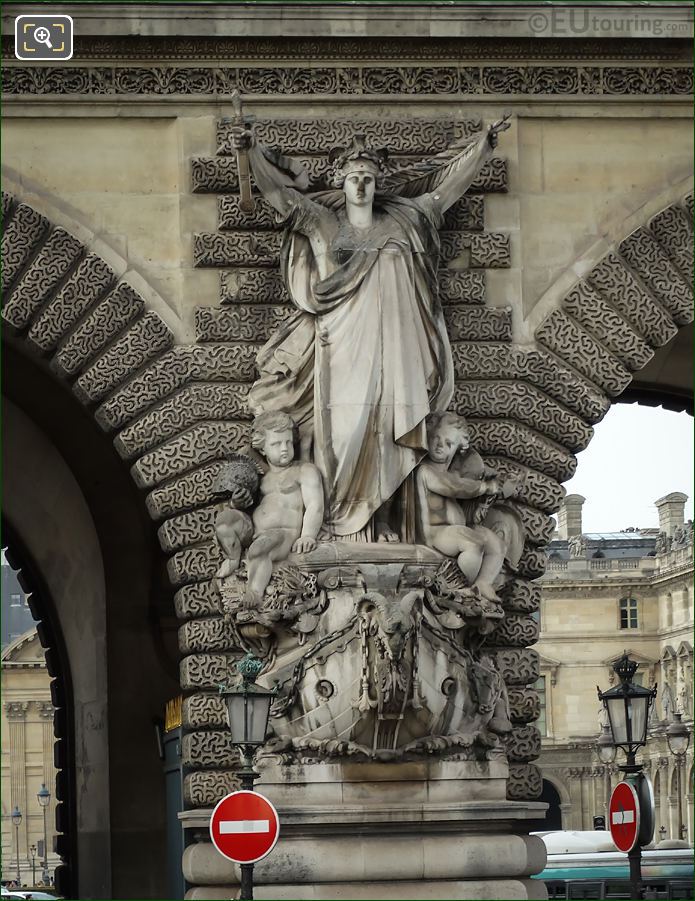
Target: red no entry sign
(624, 816)
(244, 827)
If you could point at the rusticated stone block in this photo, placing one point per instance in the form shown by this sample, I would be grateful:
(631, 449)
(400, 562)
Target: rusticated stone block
(147, 337)
(461, 286)
(517, 666)
(254, 323)
(111, 316)
(656, 270)
(523, 744)
(200, 750)
(230, 214)
(575, 346)
(237, 249)
(51, 264)
(674, 232)
(205, 636)
(524, 705)
(253, 286)
(516, 630)
(473, 323)
(206, 788)
(205, 711)
(192, 490)
(528, 404)
(89, 281)
(596, 315)
(612, 278)
(484, 250)
(467, 214)
(532, 563)
(536, 489)
(503, 436)
(521, 596)
(7, 206)
(207, 671)
(201, 599)
(525, 782)
(194, 447)
(188, 406)
(178, 367)
(20, 241)
(539, 528)
(190, 528)
(195, 564)
(544, 370)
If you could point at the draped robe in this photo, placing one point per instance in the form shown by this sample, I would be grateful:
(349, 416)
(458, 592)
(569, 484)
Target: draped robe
(365, 357)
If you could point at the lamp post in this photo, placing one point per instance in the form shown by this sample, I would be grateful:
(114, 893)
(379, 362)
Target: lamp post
(33, 864)
(627, 706)
(248, 709)
(678, 738)
(16, 822)
(43, 796)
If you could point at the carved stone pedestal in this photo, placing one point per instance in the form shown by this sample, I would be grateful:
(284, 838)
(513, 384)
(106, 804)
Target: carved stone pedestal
(439, 829)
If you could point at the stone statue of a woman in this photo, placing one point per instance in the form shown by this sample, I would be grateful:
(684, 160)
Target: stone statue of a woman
(365, 358)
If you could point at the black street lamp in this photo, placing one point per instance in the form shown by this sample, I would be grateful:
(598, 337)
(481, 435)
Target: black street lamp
(33, 864)
(16, 822)
(248, 709)
(628, 706)
(678, 738)
(43, 796)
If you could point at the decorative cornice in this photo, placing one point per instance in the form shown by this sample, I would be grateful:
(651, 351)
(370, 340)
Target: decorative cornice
(350, 81)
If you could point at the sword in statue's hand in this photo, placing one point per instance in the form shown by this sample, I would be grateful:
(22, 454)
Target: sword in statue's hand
(246, 202)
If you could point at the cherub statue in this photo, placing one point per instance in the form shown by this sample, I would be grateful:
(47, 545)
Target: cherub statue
(444, 524)
(290, 512)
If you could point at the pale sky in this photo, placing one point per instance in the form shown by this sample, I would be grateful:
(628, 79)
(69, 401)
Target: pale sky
(637, 454)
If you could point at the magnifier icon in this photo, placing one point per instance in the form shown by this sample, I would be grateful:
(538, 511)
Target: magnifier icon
(43, 36)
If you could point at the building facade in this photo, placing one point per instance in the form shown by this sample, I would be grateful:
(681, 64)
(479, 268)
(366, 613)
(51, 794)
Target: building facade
(603, 594)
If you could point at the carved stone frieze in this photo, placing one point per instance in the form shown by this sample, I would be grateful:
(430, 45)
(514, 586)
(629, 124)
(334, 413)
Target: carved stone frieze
(674, 232)
(505, 436)
(533, 407)
(614, 280)
(524, 705)
(20, 241)
(523, 744)
(207, 671)
(189, 405)
(205, 789)
(517, 666)
(656, 270)
(180, 366)
(242, 322)
(147, 337)
(346, 80)
(209, 749)
(111, 316)
(89, 281)
(573, 344)
(595, 315)
(525, 782)
(52, 263)
(473, 323)
(16, 710)
(192, 447)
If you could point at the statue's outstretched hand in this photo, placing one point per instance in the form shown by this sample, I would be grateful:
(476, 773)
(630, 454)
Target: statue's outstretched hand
(242, 137)
(495, 128)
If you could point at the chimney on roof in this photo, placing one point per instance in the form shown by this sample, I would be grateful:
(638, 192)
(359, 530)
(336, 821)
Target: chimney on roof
(569, 517)
(671, 509)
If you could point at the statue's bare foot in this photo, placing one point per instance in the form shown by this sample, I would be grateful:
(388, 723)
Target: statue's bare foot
(487, 591)
(384, 532)
(228, 568)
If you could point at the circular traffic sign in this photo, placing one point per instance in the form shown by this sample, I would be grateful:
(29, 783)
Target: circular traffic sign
(623, 816)
(244, 827)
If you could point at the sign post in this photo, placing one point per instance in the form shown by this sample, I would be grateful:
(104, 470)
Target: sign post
(244, 827)
(624, 823)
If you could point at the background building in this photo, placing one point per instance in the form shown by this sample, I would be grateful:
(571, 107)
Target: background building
(604, 594)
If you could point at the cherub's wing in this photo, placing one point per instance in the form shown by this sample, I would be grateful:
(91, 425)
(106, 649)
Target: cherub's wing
(424, 176)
